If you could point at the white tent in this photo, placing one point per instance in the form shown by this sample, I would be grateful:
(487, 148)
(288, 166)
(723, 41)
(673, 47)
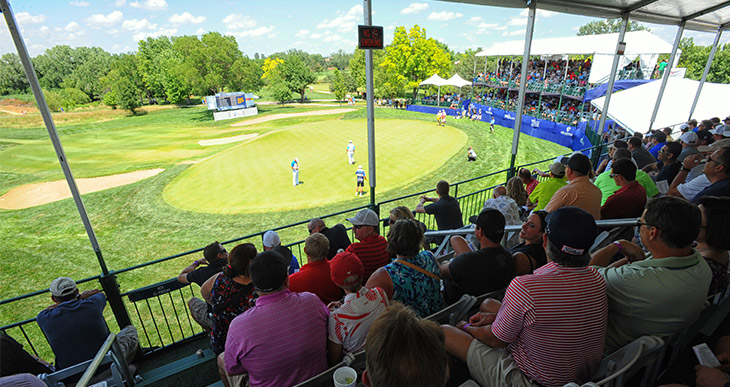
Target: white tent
(642, 44)
(457, 81)
(436, 81)
(632, 108)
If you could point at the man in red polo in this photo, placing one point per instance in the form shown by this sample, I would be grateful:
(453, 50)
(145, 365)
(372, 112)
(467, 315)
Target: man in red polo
(314, 277)
(630, 200)
(372, 249)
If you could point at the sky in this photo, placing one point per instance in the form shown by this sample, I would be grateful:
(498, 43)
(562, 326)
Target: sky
(268, 26)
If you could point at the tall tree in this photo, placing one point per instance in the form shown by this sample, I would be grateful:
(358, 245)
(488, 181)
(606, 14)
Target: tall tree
(340, 59)
(246, 76)
(338, 86)
(608, 26)
(12, 75)
(152, 56)
(296, 75)
(124, 83)
(90, 64)
(412, 57)
(55, 64)
(694, 58)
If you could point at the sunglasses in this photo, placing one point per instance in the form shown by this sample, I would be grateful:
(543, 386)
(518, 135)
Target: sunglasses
(358, 227)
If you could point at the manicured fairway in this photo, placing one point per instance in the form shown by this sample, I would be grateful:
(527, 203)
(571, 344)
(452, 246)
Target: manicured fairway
(255, 176)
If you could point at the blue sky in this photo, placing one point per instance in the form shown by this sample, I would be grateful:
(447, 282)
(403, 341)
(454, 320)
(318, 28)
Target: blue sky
(315, 26)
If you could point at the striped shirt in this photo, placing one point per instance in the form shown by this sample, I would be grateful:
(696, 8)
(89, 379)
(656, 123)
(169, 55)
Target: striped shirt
(373, 253)
(350, 323)
(555, 323)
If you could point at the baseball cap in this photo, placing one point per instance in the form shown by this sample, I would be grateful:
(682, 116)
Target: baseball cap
(557, 169)
(688, 138)
(271, 239)
(660, 136)
(345, 268)
(268, 271)
(571, 230)
(62, 287)
(719, 144)
(578, 162)
(727, 118)
(365, 217)
(721, 130)
(684, 127)
(704, 135)
(491, 222)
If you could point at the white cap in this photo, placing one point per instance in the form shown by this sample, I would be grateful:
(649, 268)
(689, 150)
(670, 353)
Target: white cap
(688, 138)
(271, 239)
(62, 287)
(366, 217)
(683, 127)
(721, 130)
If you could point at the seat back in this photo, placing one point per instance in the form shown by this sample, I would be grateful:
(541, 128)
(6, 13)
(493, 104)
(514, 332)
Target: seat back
(454, 312)
(642, 353)
(324, 378)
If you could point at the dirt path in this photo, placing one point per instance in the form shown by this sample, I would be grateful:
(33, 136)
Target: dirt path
(35, 194)
(280, 116)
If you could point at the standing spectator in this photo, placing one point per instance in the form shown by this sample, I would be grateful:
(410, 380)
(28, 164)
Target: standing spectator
(314, 276)
(712, 241)
(337, 235)
(516, 190)
(413, 278)
(529, 181)
(444, 208)
(372, 249)
(579, 192)
(282, 340)
(215, 257)
(350, 320)
(541, 195)
(629, 201)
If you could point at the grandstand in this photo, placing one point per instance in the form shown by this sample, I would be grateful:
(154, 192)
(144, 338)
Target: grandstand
(176, 349)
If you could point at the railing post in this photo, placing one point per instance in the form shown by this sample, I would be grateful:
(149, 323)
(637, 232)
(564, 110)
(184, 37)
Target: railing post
(456, 190)
(111, 289)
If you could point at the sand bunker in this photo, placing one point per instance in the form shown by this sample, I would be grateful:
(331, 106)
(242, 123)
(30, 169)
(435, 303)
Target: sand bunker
(35, 194)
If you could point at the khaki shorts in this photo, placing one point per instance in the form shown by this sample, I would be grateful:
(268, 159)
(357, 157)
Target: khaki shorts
(494, 366)
(234, 380)
(199, 311)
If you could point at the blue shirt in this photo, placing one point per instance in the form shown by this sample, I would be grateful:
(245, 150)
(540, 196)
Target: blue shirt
(720, 188)
(293, 163)
(656, 148)
(360, 175)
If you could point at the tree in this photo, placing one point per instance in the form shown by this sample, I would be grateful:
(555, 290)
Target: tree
(340, 59)
(270, 69)
(296, 75)
(608, 26)
(55, 64)
(246, 76)
(124, 83)
(695, 57)
(90, 63)
(153, 57)
(211, 58)
(279, 90)
(12, 75)
(338, 86)
(412, 57)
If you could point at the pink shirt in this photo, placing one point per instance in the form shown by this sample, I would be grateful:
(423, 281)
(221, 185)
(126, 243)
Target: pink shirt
(281, 341)
(555, 323)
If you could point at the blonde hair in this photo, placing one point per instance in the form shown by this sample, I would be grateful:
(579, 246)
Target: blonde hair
(516, 190)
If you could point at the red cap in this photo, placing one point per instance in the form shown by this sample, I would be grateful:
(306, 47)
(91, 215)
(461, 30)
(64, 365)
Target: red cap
(344, 265)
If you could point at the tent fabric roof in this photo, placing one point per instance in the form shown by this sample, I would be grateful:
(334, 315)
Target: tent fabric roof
(700, 15)
(457, 81)
(434, 80)
(632, 108)
(638, 42)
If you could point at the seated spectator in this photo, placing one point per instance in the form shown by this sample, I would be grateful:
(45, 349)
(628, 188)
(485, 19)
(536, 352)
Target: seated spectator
(445, 209)
(716, 377)
(350, 321)
(314, 276)
(413, 277)
(16, 360)
(688, 141)
(372, 249)
(215, 257)
(337, 235)
(482, 271)
(717, 170)
(608, 186)
(630, 200)
(516, 190)
(527, 179)
(271, 241)
(639, 153)
(75, 327)
(670, 166)
(606, 163)
(657, 141)
(404, 350)
(684, 185)
(529, 254)
(668, 133)
(402, 212)
(712, 241)
(508, 207)
(230, 293)
(282, 340)
(543, 192)
(538, 335)
(643, 293)
(580, 191)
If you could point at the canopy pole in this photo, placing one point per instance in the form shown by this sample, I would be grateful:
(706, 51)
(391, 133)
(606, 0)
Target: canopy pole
(704, 74)
(665, 76)
(368, 15)
(474, 76)
(612, 77)
(523, 85)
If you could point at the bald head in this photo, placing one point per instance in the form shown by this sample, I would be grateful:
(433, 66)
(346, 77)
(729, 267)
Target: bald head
(499, 191)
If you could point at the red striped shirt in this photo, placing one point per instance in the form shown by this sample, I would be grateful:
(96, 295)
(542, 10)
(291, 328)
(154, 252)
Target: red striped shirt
(373, 253)
(555, 322)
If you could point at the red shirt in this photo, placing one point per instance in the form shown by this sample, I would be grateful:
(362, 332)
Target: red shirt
(628, 202)
(529, 187)
(373, 253)
(314, 277)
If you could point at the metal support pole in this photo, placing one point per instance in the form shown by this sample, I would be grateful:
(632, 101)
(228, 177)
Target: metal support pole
(612, 77)
(704, 74)
(665, 76)
(368, 15)
(120, 312)
(523, 86)
(474, 76)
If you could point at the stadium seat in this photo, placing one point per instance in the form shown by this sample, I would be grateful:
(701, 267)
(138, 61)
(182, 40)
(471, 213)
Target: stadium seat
(643, 353)
(324, 378)
(454, 312)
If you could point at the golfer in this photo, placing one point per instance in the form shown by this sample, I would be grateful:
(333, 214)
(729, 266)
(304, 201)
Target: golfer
(360, 176)
(295, 171)
(351, 153)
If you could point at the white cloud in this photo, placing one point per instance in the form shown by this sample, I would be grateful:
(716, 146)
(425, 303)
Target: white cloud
(486, 28)
(513, 33)
(332, 38)
(517, 21)
(344, 22)
(44, 29)
(253, 33)
(186, 18)
(236, 21)
(200, 31)
(444, 16)
(414, 8)
(72, 27)
(474, 20)
(302, 33)
(150, 5)
(27, 18)
(315, 35)
(153, 34)
(500, 28)
(138, 25)
(100, 20)
(540, 13)
(79, 3)
(120, 3)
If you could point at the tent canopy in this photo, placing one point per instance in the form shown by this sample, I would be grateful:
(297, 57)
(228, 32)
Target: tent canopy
(434, 80)
(457, 81)
(632, 108)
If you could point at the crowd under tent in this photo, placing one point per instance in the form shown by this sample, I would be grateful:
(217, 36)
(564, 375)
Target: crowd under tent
(436, 80)
(632, 108)
(639, 44)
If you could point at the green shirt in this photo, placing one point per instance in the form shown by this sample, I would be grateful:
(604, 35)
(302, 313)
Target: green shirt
(608, 187)
(654, 297)
(545, 190)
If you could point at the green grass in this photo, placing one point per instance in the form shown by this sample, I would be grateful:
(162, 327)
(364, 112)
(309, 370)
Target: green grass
(134, 224)
(320, 147)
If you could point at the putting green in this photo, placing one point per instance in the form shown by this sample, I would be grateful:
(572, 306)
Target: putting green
(255, 176)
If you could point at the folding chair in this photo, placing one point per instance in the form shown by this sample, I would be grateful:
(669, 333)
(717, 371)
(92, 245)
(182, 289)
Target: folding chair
(326, 376)
(618, 367)
(454, 312)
